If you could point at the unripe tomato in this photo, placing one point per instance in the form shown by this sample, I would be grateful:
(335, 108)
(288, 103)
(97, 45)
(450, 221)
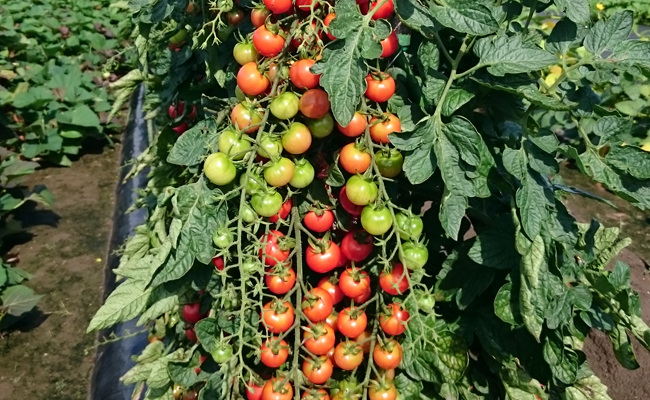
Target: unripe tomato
(244, 117)
(274, 352)
(277, 316)
(296, 139)
(245, 53)
(389, 45)
(354, 159)
(314, 103)
(301, 76)
(221, 353)
(233, 144)
(267, 204)
(269, 146)
(409, 226)
(285, 106)
(283, 213)
(278, 6)
(378, 392)
(321, 127)
(177, 392)
(376, 220)
(267, 43)
(219, 169)
(319, 221)
(258, 17)
(379, 130)
(394, 282)
(356, 127)
(222, 238)
(326, 22)
(389, 162)
(384, 11)
(178, 37)
(303, 174)
(380, 87)
(251, 182)
(356, 246)
(414, 255)
(279, 173)
(361, 191)
(251, 81)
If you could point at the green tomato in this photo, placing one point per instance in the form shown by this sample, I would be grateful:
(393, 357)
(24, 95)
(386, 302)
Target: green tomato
(414, 255)
(233, 144)
(221, 352)
(247, 214)
(251, 267)
(244, 53)
(267, 204)
(285, 106)
(321, 127)
(280, 172)
(426, 301)
(303, 174)
(389, 162)
(252, 184)
(222, 238)
(376, 221)
(179, 37)
(409, 226)
(219, 169)
(361, 191)
(270, 146)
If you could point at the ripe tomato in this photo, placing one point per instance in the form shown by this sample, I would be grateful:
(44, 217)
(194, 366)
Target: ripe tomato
(317, 371)
(254, 391)
(279, 173)
(379, 129)
(275, 249)
(192, 313)
(219, 169)
(376, 220)
(387, 356)
(389, 45)
(319, 220)
(352, 321)
(354, 282)
(348, 356)
(191, 395)
(258, 17)
(277, 316)
(324, 257)
(331, 286)
(296, 139)
(232, 144)
(303, 174)
(394, 319)
(356, 127)
(274, 389)
(285, 106)
(409, 226)
(278, 6)
(191, 335)
(301, 76)
(218, 263)
(283, 213)
(250, 80)
(415, 255)
(314, 394)
(380, 87)
(319, 339)
(280, 280)
(349, 206)
(326, 22)
(321, 127)
(270, 146)
(175, 111)
(314, 103)
(180, 129)
(244, 117)
(317, 304)
(274, 352)
(362, 298)
(354, 159)
(389, 162)
(361, 191)
(267, 43)
(379, 392)
(396, 281)
(384, 11)
(267, 204)
(331, 320)
(305, 5)
(364, 340)
(235, 17)
(356, 246)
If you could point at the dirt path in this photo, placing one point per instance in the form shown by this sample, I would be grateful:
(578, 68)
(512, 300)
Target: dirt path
(66, 255)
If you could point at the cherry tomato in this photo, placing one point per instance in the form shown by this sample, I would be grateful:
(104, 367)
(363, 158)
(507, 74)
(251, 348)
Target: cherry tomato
(218, 263)
(376, 220)
(303, 174)
(415, 255)
(384, 11)
(221, 353)
(267, 43)
(222, 238)
(235, 17)
(270, 146)
(319, 340)
(174, 111)
(267, 204)
(283, 213)
(362, 298)
(254, 392)
(296, 139)
(250, 80)
(353, 159)
(426, 301)
(301, 76)
(356, 127)
(331, 320)
(394, 282)
(219, 169)
(319, 221)
(380, 88)
(258, 16)
(277, 316)
(317, 371)
(274, 352)
(389, 45)
(285, 106)
(323, 258)
(351, 322)
(389, 162)
(274, 250)
(280, 280)
(314, 103)
(364, 340)
(321, 127)
(177, 392)
(191, 395)
(192, 313)
(387, 356)
(354, 282)
(331, 286)
(379, 130)
(348, 205)
(243, 117)
(348, 356)
(361, 191)
(314, 394)
(180, 129)
(283, 392)
(317, 304)
(377, 392)
(278, 6)
(326, 22)
(410, 226)
(394, 320)
(179, 37)
(191, 335)
(305, 5)
(232, 144)
(279, 173)
(356, 246)
(272, 71)
(251, 182)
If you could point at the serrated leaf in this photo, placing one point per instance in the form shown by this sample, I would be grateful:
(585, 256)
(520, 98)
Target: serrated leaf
(157, 309)
(630, 159)
(511, 55)
(494, 249)
(208, 333)
(127, 301)
(467, 16)
(607, 34)
(631, 53)
(191, 146)
(612, 128)
(419, 165)
(417, 17)
(506, 305)
(456, 98)
(576, 10)
(531, 266)
(182, 374)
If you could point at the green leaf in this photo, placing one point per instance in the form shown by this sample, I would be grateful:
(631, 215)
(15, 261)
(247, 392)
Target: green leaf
(511, 55)
(532, 204)
(607, 34)
(191, 147)
(419, 165)
(590, 388)
(18, 299)
(506, 305)
(576, 10)
(631, 53)
(80, 115)
(623, 348)
(456, 98)
(630, 159)
(620, 276)
(529, 301)
(495, 249)
(563, 361)
(452, 358)
(159, 376)
(524, 87)
(417, 17)
(452, 212)
(158, 308)
(518, 384)
(208, 333)
(127, 301)
(151, 353)
(467, 16)
(612, 128)
(182, 374)
(564, 35)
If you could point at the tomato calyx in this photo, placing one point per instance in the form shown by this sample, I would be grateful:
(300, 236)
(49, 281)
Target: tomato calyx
(379, 76)
(354, 312)
(275, 345)
(317, 330)
(320, 246)
(282, 270)
(319, 209)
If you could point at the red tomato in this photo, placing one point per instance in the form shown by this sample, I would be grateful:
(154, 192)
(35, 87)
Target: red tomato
(180, 129)
(254, 392)
(176, 111)
(389, 45)
(394, 320)
(356, 127)
(317, 305)
(380, 129)
(387, 356)
(384, 11)
(319, 339)
(283, 213)
(267, 43)
(353, 159)
(191, 335)
(305, 5)
(235, 17)
(348, 356)
(274, 252)
(317, 371)
(331, 320)
(301, 76)
(382, 392)
(357, 246)
(277, 316)
(323, 258)
(380, 88)
(362, 298)
(396, 281)
(352, 321)
(280, 280)
(331, 286)
(326, 22)
(279, 6)
(218, 263)
(348, 206)
(314, 394)
(250, 80)
(258, 17)
(364, 340)
(275, 389)
(319, 221)
(354, 282)
(192, 313)
(314, 103)
(274, 352)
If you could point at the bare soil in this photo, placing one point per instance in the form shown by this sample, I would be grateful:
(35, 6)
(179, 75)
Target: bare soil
(50, 356)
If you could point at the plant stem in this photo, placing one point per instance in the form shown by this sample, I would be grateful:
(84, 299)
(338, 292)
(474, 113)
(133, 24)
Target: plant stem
(295, 216)
(467, 44)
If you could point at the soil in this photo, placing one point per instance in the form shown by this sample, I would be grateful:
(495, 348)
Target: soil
(51, 357)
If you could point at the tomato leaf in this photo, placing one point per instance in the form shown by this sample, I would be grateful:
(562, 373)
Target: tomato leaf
(191, 146)
(467, 16)
(564, 35)
(607, 34)
(576, 10)
(455, 99)
(494, 249)
(511, 55)
(182, 374)
(207, 332)
(127, 301)
(506, 305)
(417, 17)
(523, 87)
(18, 299)
(562, 360)
(530, 302)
